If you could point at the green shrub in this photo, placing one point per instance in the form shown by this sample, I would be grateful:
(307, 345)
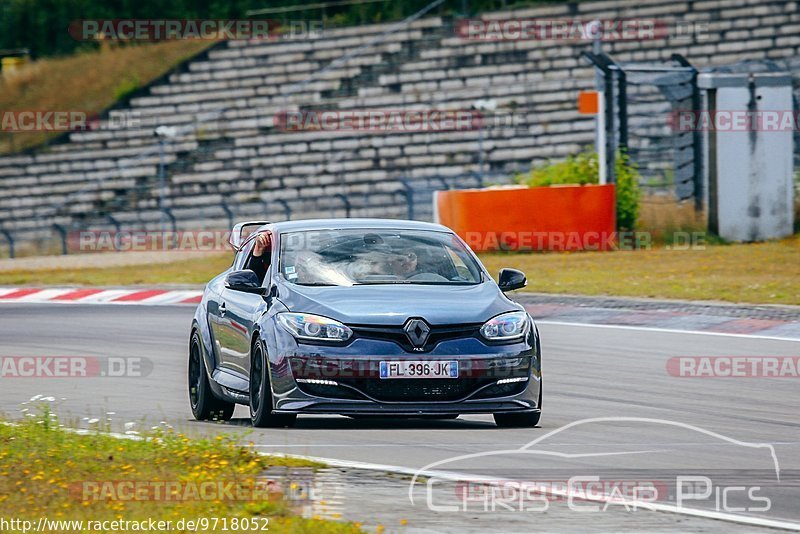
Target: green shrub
(126, 88)
(584, 168)
(627, 176)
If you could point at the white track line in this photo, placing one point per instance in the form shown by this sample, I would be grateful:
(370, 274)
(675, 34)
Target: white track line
(667, 330)
(465, 477)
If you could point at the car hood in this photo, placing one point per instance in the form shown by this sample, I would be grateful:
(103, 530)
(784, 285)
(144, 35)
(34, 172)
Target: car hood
(394, 304)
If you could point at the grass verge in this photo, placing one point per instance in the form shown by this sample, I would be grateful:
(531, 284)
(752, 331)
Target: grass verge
(88, 81)
(49, 472)
(192, 271)
(759, 273)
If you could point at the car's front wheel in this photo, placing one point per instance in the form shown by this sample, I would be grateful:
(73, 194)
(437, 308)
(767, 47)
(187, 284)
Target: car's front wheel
(205, 406)
(261, 393)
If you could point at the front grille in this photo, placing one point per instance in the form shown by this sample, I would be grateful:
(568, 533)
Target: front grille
(417, 389)
(397, 335)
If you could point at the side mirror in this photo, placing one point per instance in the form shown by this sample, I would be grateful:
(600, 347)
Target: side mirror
(244, 280)
(511, 279)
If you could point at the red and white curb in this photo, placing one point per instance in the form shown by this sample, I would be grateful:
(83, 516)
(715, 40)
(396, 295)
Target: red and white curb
(74, 295)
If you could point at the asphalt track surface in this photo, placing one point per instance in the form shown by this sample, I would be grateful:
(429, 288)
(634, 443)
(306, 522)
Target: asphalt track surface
(589, 372)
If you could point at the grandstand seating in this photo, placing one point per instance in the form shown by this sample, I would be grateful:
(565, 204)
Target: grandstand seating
(239, 162)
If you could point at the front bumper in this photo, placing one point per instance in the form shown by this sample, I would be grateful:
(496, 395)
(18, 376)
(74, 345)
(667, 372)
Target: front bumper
(345, 380)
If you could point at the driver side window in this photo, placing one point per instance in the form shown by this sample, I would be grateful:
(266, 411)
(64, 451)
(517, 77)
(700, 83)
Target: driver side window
(242, 257)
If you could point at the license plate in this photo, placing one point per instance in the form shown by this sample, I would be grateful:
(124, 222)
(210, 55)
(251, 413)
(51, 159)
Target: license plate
(419, 369)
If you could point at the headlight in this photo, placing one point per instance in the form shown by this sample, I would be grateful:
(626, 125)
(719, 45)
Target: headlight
(314, 327)
(506, 327)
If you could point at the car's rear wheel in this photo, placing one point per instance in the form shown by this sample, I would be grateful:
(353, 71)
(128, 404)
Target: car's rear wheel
(261, 402)
(205, 406)
(517, 420)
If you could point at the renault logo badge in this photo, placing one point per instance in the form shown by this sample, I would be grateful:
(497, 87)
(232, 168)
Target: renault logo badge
(417, 332)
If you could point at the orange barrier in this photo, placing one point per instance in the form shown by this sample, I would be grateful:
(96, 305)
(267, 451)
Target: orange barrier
(570, 217)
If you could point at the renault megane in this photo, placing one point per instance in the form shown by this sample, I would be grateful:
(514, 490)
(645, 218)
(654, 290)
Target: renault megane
(361, 317)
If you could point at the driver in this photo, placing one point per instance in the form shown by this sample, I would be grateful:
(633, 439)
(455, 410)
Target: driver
(261, 257)
(404, 265)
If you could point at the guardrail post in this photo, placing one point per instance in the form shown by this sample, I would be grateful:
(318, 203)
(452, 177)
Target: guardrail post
(10, 238)
(62, 232)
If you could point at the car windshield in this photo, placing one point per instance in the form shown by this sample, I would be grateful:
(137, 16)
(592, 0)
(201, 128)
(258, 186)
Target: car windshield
(357, 257)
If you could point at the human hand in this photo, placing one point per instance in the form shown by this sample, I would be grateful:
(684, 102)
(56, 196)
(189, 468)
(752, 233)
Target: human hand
(262, 244)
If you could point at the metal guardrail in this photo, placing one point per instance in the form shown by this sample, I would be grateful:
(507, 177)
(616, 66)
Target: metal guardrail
(418, 192)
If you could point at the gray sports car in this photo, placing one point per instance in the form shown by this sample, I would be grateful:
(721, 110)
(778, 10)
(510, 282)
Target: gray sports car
(361, 317)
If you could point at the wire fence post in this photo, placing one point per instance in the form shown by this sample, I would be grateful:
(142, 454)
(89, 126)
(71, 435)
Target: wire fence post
(346, 202)
(62, 232)
(228, 213)
(10, 239)
(162, 182)
(604, 64)
(114, 222)
(166, 212)
(697, 135)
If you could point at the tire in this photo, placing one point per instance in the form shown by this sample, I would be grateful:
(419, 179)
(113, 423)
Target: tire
(517, 420)
(261, 401)
(520, 420)
(205, 406)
